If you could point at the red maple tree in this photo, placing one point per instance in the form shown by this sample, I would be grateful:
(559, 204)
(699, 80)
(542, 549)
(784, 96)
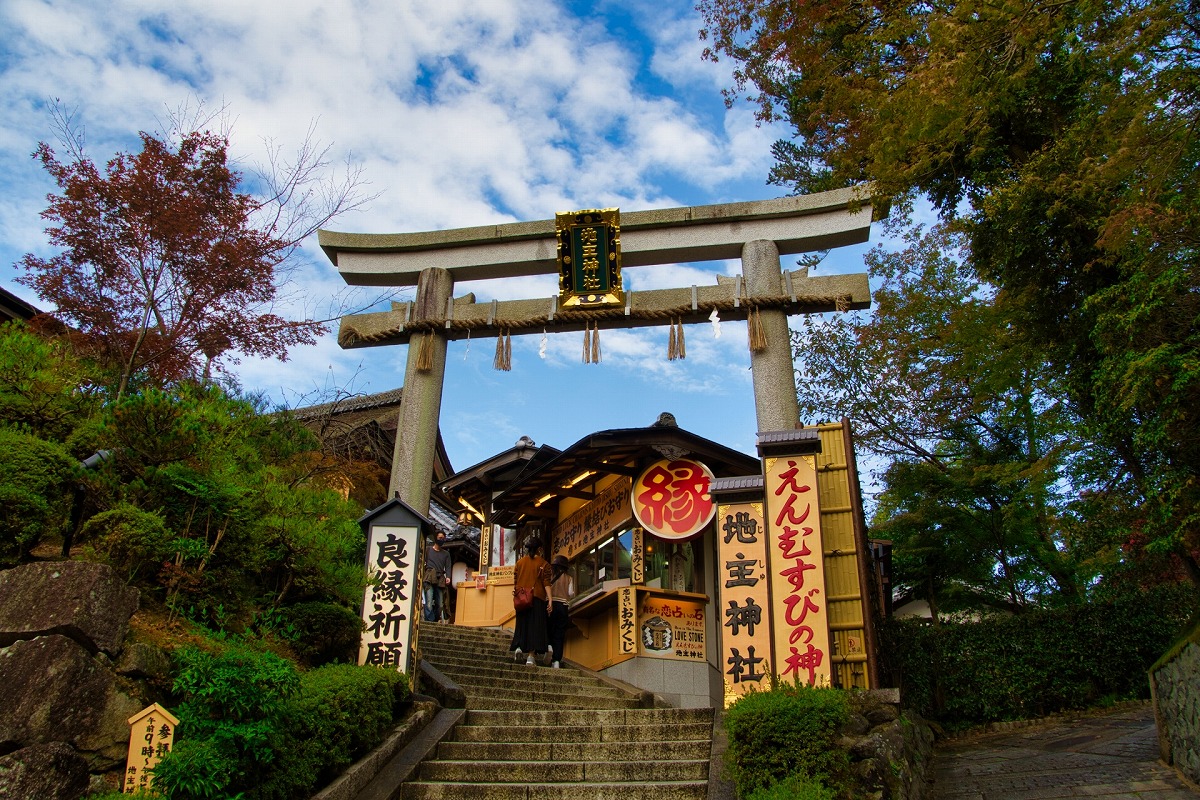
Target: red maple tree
(163, 273)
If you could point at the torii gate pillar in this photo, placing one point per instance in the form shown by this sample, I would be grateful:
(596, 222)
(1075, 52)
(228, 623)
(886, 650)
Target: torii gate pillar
(421, 401)
(774, 376)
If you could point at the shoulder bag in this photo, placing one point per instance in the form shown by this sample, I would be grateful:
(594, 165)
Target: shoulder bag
(522, 598)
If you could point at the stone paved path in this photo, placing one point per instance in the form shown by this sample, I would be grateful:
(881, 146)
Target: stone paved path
(1113, 756)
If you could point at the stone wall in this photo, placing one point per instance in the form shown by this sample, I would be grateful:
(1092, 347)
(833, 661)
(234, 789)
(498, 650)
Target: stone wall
(891, 751)
(1175, 687)
(70, 682)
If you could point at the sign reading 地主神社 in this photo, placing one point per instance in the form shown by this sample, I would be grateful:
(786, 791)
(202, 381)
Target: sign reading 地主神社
(742, 588)
(797, 570)
(671, 499)
(589, 257)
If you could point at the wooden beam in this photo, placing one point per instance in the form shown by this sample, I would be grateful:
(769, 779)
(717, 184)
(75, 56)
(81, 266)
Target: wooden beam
(660, 236)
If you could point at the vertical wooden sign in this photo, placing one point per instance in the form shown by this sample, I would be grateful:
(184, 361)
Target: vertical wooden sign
(627, 621)
(485, 546)
(797, 574)
(637, 558)
(151, 736)
(743, 598)
(391, 602)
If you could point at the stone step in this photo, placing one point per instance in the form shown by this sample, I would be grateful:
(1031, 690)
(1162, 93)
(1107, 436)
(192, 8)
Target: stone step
(534, 733)
(631, 716)
(560, 771)
(505, 670)
(533, 688)
(651, 790)
(460, 635)
(572, 702)
(650, 732)
(495, 660)
(572, 751)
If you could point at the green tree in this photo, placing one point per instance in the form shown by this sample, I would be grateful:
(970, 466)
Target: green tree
(974, 428)
(44, 389)
(1062, 138)
(37, 480)
(233, 486)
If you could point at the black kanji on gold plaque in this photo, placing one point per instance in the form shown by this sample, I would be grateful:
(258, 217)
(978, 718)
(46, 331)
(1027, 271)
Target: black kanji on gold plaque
(589, 257)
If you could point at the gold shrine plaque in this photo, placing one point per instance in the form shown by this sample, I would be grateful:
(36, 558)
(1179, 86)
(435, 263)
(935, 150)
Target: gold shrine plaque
(589, 257)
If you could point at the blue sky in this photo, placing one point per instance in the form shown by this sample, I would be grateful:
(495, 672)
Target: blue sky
(459, 113)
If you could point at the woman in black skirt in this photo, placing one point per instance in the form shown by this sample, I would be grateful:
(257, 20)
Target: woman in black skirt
(529, 635)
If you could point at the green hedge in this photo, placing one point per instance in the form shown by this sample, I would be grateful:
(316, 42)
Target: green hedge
(253, 727)
(321, 632)
(341, 712)
(788, 732)
(1034, 663)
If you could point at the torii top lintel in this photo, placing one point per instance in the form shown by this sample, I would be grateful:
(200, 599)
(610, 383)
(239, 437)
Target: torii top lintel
(663, 236)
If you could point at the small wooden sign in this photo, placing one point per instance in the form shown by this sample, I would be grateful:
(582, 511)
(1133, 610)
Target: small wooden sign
(151, 735)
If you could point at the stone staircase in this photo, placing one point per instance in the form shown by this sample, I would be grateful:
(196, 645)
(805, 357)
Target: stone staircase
(535, 733)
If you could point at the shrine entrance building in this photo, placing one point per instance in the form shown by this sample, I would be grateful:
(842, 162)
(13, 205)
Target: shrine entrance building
(767, 572)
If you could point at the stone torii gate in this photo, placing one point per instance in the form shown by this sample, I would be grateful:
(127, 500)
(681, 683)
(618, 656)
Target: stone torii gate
(756, 232)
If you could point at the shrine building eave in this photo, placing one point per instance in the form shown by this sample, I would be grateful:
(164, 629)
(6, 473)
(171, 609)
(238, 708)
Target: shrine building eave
(623, 452)
(798, 224)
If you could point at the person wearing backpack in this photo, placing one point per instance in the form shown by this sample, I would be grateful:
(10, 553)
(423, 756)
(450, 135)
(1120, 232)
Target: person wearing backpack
(436, 580)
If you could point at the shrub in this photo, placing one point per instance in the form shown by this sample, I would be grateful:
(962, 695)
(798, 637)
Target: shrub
(250, 726)
(321, 633)
(229, 722)
(789, 731)
(131, 540)
(37, 484)
(44, 389)
(796, 787)
(340, 713)
(1035, 663)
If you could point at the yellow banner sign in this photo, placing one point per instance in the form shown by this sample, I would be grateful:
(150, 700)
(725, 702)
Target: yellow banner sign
(799, 617)
(627, 641)
(744, 599)
(502, 575)
(607, 513)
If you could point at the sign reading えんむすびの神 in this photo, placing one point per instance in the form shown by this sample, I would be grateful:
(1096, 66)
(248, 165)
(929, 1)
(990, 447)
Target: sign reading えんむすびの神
(797, 571)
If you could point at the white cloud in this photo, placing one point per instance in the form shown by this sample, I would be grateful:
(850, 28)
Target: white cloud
(461, 113)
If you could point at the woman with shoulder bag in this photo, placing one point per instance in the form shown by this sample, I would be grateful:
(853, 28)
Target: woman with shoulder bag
(533, 574)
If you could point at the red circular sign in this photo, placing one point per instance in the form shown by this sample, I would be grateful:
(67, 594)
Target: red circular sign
(671, 498)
